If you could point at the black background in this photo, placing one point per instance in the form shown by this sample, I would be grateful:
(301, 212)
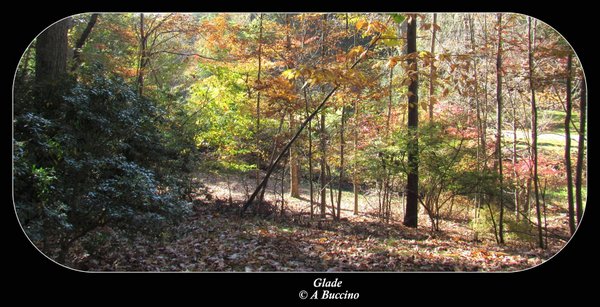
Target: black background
(34, 277)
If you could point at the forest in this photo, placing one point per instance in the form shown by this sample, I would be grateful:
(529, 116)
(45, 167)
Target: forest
(296, 142)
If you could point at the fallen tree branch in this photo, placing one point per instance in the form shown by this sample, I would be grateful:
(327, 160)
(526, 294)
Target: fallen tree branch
(300, 129)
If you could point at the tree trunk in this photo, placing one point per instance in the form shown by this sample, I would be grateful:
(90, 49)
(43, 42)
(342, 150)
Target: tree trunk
(514, 159)
(432, 68)
(342, 141)
(580, 150)
(499, 129)
(480, 152)
(260, 32)
(294, 164)
(568, 168)
(412, 186)
(310, 160)
(534, 138)
(51, 53)
(142, 61)
(389, 111)
(81, 41)
(322, 162)
(323, 144)
(355, 172)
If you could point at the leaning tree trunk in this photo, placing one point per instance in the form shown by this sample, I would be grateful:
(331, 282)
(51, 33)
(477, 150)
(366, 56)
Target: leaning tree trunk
(51, 53)
(580, 150)
(81, 41)
(310, 117)
(568, 168)
(412, 185)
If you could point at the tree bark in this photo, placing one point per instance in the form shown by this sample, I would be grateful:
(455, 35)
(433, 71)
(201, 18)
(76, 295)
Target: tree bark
(389, 110)
(342, 141)
(355, 172)
(322, 141)
(258, 100)
(534, 137)
(51, 53)
(294, 164)
(499, 129)
(568, 168)
(412, 186)
(432, 68)
(580, 150)
(81, 41)
(514, 158)
(310, 160)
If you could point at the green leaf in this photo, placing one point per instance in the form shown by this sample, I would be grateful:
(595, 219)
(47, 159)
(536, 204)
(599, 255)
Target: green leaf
(398, 18)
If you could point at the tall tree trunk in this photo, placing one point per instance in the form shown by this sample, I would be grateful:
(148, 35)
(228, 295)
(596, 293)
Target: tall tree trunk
(499, 129)
(355, 171)
(389, 110)
(480, 152)
(322, 163)
(342, 145)
(51, 53)
(412, 186)
(323, 141)
(310, 160)
(534, 136)
(142, 61)
(580, 150)
(568, 168)
(294, 164)
(432, 68)
(81, 41)
(260, 32)
(514, 158)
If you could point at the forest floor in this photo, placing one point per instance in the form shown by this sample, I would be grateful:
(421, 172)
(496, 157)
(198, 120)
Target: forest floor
(215, 239)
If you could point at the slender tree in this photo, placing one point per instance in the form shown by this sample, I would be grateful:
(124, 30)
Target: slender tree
(340, 180)
(294, 161)
(323, 141)
(568, 168)
(580, 150)
(412, 186)
(534, 127)
(310, 159)
(260, 33)
(432, 67)
(355, 171)
(499, 129)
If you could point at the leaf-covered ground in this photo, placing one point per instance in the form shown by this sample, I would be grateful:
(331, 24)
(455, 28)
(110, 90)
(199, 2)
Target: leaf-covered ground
(216, 239)
(219, 240)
